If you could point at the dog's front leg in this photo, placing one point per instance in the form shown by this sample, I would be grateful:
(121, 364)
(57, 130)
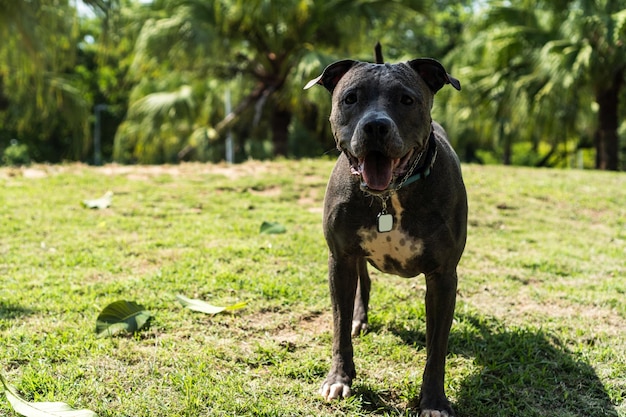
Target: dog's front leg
(440, 303)
(342, 277)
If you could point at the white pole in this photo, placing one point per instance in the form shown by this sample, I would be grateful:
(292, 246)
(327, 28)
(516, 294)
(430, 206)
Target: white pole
(230, 148)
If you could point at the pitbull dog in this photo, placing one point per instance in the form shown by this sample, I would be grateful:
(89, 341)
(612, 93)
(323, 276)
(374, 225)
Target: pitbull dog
(395, 200)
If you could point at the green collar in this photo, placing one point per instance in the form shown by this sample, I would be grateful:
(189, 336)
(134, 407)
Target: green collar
(425, 169)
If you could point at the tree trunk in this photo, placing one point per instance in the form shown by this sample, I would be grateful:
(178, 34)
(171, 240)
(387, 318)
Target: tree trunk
(606, 137)
(280, 131)
(4, 100)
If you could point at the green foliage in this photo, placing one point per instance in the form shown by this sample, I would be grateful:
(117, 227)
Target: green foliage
(538, 72)
(16, 154)
(265, 51)
(40, 102)
(541, 80)
(157, 127)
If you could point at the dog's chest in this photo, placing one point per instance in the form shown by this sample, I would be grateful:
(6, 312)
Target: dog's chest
(393, 251)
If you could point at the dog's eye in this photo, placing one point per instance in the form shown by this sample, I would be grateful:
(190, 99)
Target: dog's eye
(350, 98)
(407, 100)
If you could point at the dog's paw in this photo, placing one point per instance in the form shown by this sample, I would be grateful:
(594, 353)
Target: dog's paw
(334, 391)
(434, 405)
(435, 413)
(359, 328)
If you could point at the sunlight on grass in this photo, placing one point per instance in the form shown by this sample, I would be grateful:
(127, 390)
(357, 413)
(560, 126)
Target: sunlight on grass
(538, 328)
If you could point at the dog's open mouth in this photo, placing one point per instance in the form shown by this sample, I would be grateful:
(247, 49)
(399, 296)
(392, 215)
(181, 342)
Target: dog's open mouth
(378, 170)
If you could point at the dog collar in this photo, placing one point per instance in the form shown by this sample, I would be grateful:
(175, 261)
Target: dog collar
(385, 221)
(425, 169)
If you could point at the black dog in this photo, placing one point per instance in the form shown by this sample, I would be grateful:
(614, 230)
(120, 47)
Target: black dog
(395, 199)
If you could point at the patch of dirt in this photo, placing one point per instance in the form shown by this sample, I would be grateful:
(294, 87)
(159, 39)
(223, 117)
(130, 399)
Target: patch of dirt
(139, 172)
(308, 327)
(523, 308)
(317, 323)
(313, 180)
(29, 172)
(266, 192)
(311, 199)
(248, 168)
(290, 328)
(34, 173)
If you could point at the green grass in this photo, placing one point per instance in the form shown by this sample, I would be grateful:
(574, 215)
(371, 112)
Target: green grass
(539, 328)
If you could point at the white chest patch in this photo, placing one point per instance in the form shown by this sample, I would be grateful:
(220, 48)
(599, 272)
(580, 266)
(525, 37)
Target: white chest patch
(395, 244)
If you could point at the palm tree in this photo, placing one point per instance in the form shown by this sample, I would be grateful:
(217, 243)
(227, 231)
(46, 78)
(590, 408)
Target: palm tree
(535, 64)
(266, 48)
(591, 52)
(39, 102)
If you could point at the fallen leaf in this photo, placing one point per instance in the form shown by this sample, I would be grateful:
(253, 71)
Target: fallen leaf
(272, 228)
(99, 203)
(40, 409)
(122, 316)
(204, 307)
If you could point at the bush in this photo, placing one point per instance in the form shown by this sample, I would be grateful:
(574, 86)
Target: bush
(16, 154)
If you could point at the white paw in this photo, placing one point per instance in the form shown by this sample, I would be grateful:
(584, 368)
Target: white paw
(358, 328)
(334, 391)
(434, 413)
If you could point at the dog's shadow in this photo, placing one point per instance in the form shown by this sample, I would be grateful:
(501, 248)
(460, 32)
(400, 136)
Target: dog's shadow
(13, 311)
(518, 372)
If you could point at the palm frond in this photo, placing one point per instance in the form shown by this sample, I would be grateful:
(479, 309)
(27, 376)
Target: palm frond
(162, 105)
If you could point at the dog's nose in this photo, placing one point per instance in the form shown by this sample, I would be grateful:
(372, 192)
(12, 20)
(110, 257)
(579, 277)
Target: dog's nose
(378, 128)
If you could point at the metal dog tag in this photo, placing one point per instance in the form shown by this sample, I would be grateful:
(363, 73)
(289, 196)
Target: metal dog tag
(385, 222)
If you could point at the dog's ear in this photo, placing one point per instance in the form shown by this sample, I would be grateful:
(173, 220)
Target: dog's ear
(332, 74)
(433, 73)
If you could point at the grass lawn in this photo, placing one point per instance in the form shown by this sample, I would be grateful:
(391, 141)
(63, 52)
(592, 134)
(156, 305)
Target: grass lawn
(540, 326)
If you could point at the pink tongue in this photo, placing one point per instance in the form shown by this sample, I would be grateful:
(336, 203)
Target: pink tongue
(377, 172)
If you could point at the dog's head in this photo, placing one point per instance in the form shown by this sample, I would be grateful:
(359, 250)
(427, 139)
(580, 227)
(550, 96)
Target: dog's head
(381, 113)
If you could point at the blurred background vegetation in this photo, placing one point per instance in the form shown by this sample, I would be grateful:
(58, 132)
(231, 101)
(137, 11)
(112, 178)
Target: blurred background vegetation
(163, 81)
